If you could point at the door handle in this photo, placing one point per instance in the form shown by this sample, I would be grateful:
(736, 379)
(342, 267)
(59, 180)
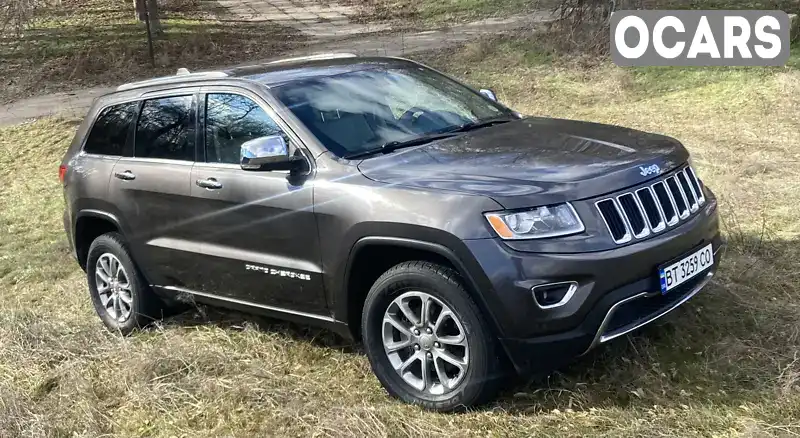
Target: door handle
(126, 175)
(209, 183)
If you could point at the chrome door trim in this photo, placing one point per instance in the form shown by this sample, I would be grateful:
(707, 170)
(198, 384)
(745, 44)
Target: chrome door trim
(249, 304)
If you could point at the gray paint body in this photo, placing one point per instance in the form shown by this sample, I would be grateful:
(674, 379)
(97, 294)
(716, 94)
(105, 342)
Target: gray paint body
(242, 244)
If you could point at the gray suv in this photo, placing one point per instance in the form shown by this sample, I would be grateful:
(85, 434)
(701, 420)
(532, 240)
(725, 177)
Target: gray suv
(457, 239)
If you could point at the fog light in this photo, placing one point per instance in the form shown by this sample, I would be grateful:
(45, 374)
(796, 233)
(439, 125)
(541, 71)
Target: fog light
(548, 296)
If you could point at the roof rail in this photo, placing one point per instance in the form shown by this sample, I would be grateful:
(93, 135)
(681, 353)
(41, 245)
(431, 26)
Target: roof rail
(315, 57)
(182, 75)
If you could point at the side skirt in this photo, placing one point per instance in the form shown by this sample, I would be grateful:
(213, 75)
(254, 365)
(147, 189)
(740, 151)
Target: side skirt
(322, 321)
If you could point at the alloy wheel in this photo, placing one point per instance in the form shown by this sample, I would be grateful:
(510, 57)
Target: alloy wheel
(425, 342)
(114, 287)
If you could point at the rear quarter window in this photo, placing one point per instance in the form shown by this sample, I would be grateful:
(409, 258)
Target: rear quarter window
(110, 131)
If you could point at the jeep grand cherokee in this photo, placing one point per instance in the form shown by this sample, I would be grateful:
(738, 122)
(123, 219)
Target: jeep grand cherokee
(392, 204)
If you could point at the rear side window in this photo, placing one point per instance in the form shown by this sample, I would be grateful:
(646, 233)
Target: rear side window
(164, 129)
(110, 131)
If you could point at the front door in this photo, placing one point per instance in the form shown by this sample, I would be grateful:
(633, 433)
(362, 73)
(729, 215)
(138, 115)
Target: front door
(259, 233)
(152, 190)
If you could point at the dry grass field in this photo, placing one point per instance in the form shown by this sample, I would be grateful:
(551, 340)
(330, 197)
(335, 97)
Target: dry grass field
(726, 364)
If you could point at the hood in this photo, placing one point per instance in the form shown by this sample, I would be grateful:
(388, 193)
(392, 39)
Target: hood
(532, 161)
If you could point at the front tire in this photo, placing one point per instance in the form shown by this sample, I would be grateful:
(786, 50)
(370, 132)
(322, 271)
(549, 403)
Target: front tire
(427, 341)
(119, 292)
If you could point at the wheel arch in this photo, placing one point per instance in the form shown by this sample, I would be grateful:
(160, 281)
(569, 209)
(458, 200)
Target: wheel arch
(356, 286)
(90, 224)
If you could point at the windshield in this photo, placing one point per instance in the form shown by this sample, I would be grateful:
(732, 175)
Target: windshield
(357, 111)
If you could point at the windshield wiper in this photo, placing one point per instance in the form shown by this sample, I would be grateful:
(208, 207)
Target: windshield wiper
(481, 124)
(395, 145)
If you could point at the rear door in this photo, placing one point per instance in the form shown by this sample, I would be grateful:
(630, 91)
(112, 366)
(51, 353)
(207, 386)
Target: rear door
(259, 233)
(151, 188)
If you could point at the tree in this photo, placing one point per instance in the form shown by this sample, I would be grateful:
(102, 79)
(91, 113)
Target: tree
(143, 8)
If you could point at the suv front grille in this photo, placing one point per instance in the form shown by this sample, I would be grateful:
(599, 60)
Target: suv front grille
(651, 209)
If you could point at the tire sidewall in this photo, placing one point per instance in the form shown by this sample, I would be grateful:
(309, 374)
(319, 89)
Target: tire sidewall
(451, 294)
(112, 244)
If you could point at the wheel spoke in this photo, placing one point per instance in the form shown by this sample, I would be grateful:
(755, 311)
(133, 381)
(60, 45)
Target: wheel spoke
(102, 276)
(459, 339)
(425, 310)
(409, 314)
(117, 307)
(105, 266)
(425, 368)
(411, 359)
(452, 359)
(439, 367)
(443, 315)
(125, 296)
(391, 319)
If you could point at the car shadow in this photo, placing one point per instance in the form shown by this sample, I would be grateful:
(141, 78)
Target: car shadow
(730, 345)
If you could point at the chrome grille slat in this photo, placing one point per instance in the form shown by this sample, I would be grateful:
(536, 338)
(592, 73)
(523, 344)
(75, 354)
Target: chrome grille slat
(638, 231)
(687, 190)
(664, 200)
(648, 194)
(646, 211)
(695, 183)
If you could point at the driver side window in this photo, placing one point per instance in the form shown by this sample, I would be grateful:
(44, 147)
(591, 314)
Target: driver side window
(231, 120)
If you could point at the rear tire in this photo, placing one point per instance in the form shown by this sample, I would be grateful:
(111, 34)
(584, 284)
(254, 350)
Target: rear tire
(120, 294)
(443, 358)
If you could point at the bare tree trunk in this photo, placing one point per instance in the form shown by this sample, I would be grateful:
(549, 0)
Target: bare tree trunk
(138, 6)
(155, 21)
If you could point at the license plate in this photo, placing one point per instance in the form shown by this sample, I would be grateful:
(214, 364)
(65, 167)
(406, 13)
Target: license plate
(683, 270)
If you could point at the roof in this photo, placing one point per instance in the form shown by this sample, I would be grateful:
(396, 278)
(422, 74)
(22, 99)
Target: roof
(276, 73)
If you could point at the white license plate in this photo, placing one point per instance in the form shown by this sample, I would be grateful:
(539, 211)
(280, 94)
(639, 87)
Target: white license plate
(685, 269)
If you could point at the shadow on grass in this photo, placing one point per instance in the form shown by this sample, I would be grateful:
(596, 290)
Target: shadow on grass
(734, 343)
(730, 345)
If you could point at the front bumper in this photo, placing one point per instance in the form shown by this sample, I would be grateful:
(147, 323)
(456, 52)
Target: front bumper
(619, 291)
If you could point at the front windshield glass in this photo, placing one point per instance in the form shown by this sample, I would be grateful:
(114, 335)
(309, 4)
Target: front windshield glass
(362, 110)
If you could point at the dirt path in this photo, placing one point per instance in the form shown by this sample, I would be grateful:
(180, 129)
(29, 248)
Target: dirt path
(314, 18)
(362, 43)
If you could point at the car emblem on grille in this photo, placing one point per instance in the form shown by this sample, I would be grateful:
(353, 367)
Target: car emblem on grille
(650, 170)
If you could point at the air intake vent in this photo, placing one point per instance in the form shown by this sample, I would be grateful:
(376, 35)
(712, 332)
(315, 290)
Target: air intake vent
(652, 209)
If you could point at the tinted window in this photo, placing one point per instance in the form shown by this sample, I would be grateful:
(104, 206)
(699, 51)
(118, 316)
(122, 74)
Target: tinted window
(110, 131)
(358, 110)
(164, 128)
(231, 120)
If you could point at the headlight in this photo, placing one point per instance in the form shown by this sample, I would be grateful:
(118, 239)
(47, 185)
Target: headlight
(536, 223)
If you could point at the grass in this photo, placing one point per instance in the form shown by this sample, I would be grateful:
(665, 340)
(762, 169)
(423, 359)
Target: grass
(442, 12)
(81, 43)
(726, 364)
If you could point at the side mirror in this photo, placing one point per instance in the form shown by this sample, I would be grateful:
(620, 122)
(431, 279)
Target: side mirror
(268, 153)
(489, 94)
